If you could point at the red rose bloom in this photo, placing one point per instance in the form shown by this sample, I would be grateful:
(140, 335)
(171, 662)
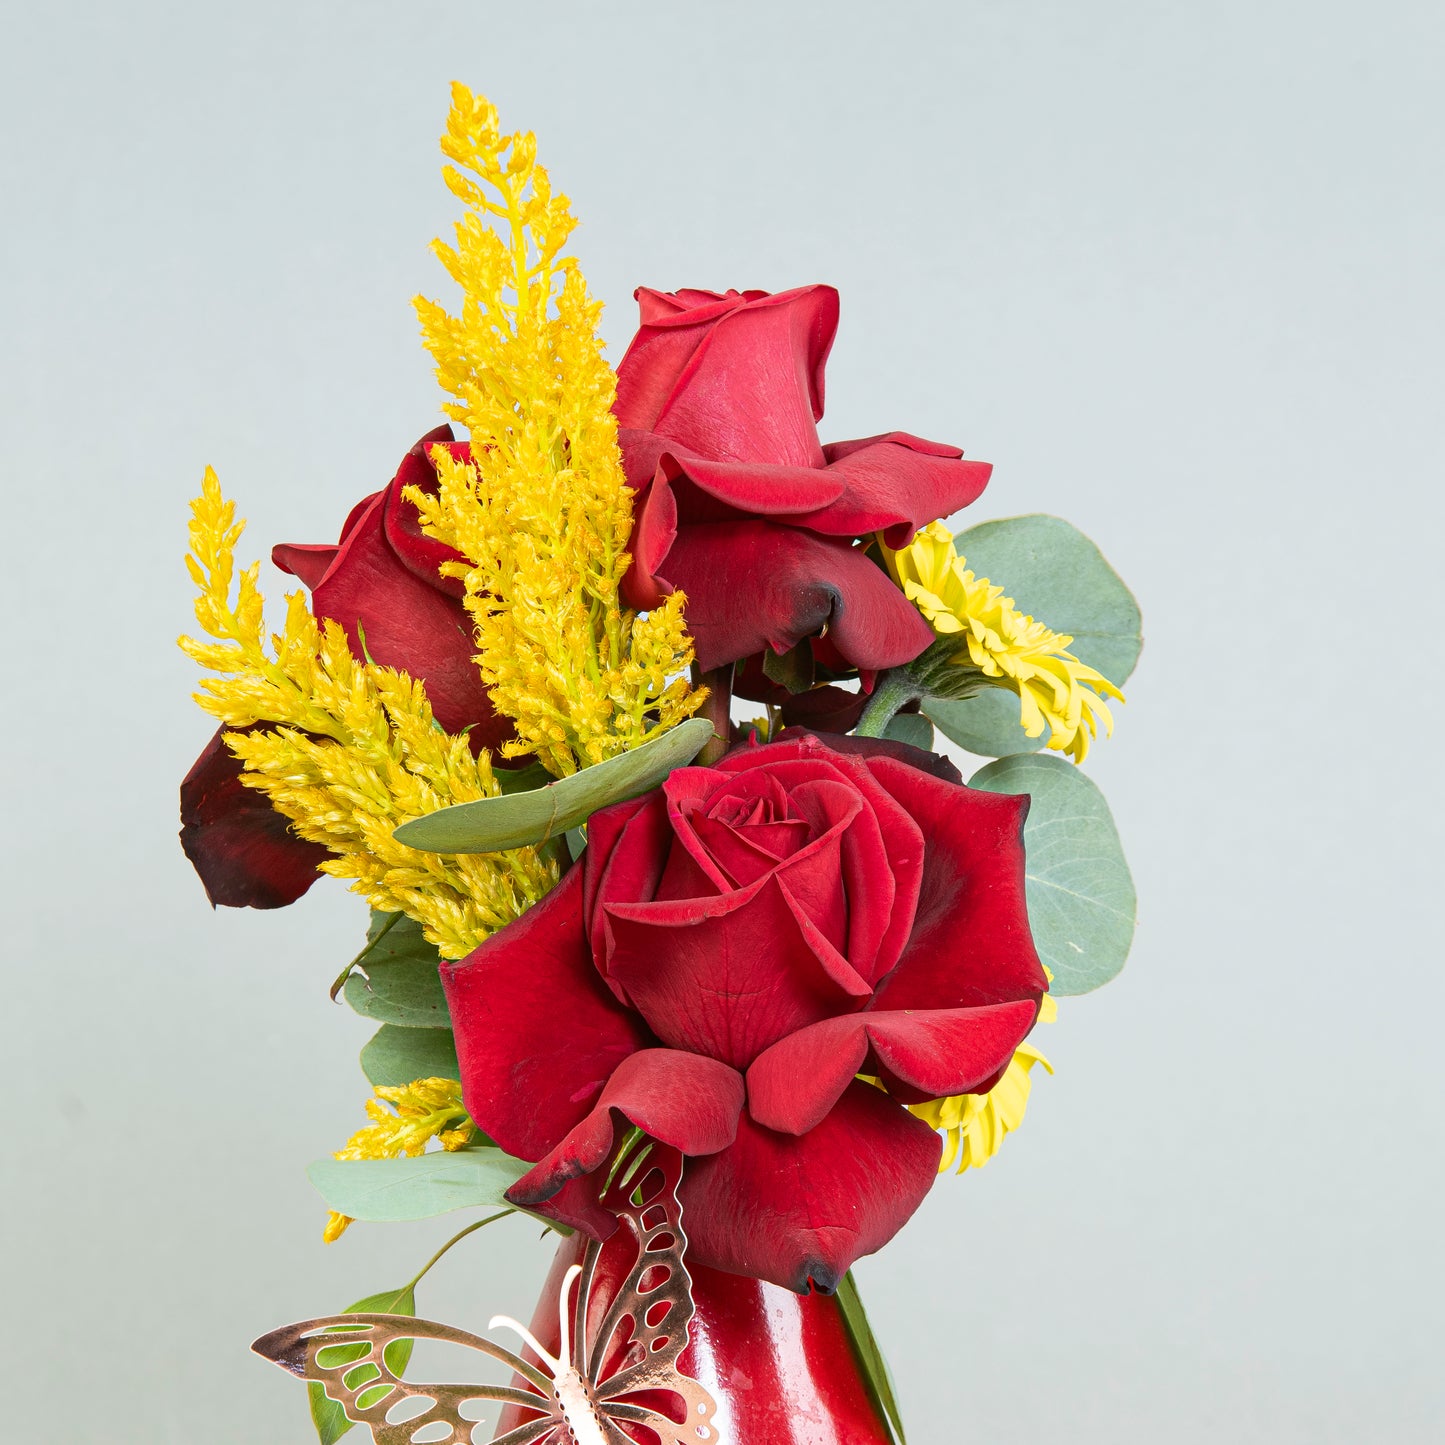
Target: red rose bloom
(738, 503)
(733, 950)
(381, 583)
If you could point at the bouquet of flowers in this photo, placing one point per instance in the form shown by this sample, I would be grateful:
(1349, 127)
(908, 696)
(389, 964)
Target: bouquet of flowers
(716, 1000)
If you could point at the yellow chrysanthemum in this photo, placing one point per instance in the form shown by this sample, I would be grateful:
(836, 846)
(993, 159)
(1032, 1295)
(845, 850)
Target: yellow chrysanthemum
(974, 1125)
(1003, 645)
(542, 512)
(421, 1111)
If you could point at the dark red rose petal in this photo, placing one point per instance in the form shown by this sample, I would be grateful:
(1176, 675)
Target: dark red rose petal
(612, 869)
(538, 1034)
(882, 864)
(393, 611)
(795, 584)
(421, 555)
(739, 382)
(970, 943)
(727, 976)
(678, 1098)
(935, 1053)
(799, 1209)
(892, 484)
(243, 850)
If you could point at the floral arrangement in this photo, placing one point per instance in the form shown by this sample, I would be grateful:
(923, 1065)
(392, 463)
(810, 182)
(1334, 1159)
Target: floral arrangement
(724, 997)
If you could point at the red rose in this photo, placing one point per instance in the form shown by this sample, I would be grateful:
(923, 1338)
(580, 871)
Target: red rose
(741, 507)
(380, 580)
(383, 579)
(733, 950)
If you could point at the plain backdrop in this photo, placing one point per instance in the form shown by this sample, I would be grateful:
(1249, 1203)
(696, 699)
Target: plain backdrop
(1175, 268)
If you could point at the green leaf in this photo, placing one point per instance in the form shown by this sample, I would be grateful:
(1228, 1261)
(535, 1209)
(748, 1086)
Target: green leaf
(385, 1190)
(911, 728)
(397, 1055)
(1082, 907)
(398, 981)
(328, 1417)
(1057, 575)
(522, 780)
(875, 1368)
(490, 825)
(794, 669)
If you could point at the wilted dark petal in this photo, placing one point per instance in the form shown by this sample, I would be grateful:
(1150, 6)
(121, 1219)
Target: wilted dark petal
(243, 850)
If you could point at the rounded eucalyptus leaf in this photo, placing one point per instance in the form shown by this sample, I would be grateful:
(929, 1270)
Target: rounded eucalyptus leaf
(385, 1190)
(397, 979)
(513, 820)
(1082, 907)
(1057, 575)
(396, 1055)
(911, 728)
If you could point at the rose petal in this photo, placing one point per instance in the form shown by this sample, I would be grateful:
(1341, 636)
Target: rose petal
(627, 848)
(935, 1053)
(796, 584)
(242, 849)
(894, 484)
(727, 976)
(538, 1034)
(970, 942)
(409, 620)
(738, 381)
(881, 859)
(678, 1098)
(799, 1209)
(421, 555)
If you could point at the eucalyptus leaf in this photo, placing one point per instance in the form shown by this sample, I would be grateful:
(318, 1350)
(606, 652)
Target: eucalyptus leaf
(398, 1055)
(876, 1374)
(491, 825)
(328, 1417)
(384, 1190)
(1082, 906)
(911, 728)
(1057, 575)
(400, 986)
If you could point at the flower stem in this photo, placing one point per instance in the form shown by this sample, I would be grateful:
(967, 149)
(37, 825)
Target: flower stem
(717, 710)
(894, 689)
(456, 1239)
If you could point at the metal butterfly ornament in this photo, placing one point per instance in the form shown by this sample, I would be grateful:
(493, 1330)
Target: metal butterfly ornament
(601, 1388)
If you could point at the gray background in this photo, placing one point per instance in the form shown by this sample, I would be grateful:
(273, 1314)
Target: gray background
(1175, 268)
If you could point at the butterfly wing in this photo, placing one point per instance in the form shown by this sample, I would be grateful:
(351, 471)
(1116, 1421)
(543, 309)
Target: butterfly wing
(633, 1356)
(369, 1391)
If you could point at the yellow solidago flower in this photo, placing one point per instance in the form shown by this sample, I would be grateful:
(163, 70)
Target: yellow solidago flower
(542, 512)
(1006, 647)
(422, 1110)
(974, 1125)
(352, 750)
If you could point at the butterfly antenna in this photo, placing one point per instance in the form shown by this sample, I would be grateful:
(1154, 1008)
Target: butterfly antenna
(564, 1315)
(498, 1322)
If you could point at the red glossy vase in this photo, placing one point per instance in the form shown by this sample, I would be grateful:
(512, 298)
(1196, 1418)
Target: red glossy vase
(780, 1365)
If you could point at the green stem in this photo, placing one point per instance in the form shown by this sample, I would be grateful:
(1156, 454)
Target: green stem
(456, 1239)
(894, 689)
(717, 710)
(370, 944)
